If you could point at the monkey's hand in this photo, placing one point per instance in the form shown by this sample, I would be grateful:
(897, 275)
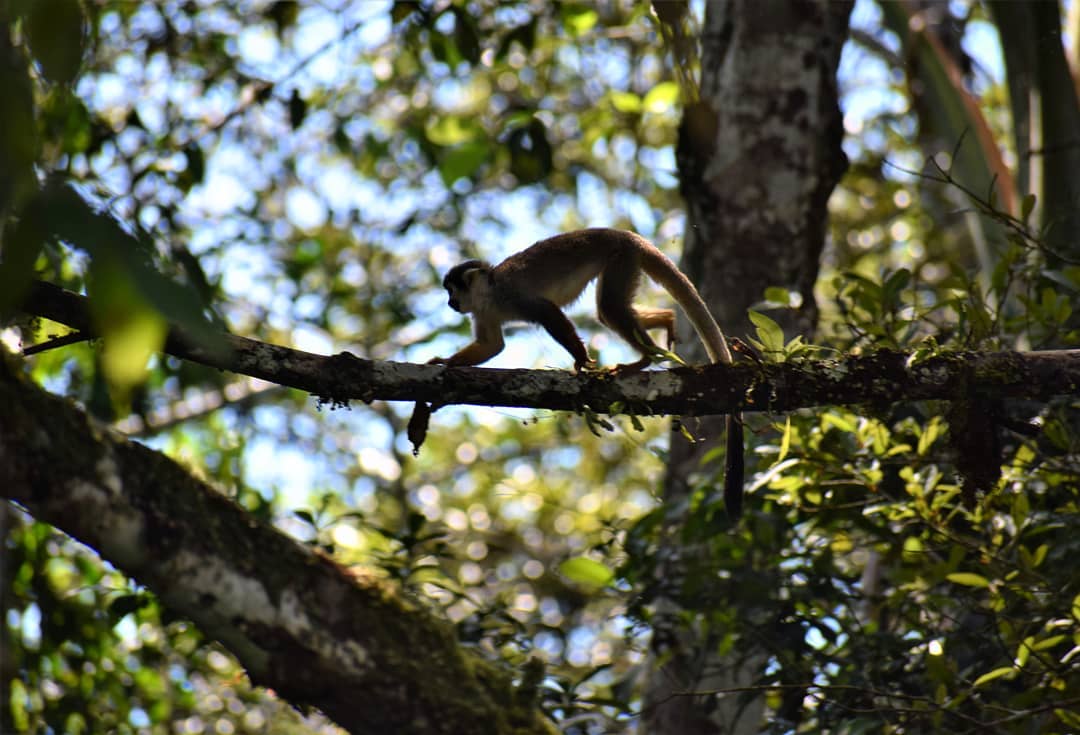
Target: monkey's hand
(588, 364)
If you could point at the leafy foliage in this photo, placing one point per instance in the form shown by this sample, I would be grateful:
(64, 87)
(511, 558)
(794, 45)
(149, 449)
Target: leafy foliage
(303, 175)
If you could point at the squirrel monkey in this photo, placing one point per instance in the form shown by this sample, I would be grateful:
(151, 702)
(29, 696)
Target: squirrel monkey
(533, 285)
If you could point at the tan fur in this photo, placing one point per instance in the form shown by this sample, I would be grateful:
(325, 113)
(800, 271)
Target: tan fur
(534, 284)
(559, 268)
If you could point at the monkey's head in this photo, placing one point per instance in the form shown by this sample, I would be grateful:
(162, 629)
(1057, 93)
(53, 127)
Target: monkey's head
(461, 284)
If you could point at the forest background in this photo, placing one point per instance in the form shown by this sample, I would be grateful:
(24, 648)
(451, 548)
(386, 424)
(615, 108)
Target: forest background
(302, 175)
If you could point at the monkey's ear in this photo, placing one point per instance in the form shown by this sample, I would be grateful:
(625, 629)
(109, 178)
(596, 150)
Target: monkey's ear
(459, 275)
(469, 277)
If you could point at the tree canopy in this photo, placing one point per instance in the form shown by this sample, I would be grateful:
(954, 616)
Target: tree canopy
(215, 518)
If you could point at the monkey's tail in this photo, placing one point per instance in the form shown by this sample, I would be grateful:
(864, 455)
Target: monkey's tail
(660, 269)
(667, 274)
(734, 468)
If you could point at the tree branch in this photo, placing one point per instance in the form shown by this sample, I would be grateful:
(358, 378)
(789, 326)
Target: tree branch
(350, 644)
(884, 376)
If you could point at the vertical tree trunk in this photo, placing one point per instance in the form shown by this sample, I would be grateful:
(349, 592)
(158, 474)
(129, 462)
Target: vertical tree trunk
(758, 156)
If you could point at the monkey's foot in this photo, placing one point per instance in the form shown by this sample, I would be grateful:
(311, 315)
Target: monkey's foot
(629, 368)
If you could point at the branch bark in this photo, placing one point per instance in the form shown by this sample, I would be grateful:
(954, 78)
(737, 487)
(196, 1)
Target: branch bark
(352, 645)
(880, 377)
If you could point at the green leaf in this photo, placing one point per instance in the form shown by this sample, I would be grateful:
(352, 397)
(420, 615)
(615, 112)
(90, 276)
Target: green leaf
(1021, 509)
(578, 19)
(124, 261)
(463, 161)
(894, 284)
(453, 130)
(1047, 643)
(195, 170)
(625, 101)
(785, 442)
(930, 433)
(124, 604)
(21, 249)
(444, 49)
(297, 110)
(587, 572)
(769, 333)
(466, 35)
(843, 423)
(914, 552)
(1023, 652)
(56, 33)
(306, 516)
(283, 13)
(662, 97)
(1040, 555)
(989, 676)
(66, 116)
(403, 9)
(531, 154)
(133, 330)
(777, 295)
(1027, 206)
(523, 34)
(968, 579)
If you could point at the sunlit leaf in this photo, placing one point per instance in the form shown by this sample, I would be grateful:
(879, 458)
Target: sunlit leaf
(785, 442)
(1007, 671)
(842, 422)
(968, 579)
(578, 19)
(914, 552)
(450, 130)
(1048, 643)
(1023, 652)
(929, 435)
(779, 296)
(661, 98)
(769, 332)
(625, 101)
(587, 572)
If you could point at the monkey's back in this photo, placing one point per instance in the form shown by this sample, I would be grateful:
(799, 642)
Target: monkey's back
(560, 267)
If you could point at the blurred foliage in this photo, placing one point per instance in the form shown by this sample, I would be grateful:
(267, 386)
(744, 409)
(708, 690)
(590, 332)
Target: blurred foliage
(303, 174)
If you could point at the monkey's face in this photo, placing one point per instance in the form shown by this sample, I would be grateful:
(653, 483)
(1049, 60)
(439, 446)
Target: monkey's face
(462, 283)
(458, 299)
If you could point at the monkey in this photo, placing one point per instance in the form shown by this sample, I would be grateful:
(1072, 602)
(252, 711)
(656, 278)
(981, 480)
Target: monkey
(533, 286)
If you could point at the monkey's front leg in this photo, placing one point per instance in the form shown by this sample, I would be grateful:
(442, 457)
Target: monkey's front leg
(472, 354)
(550, 317)
(487, 342)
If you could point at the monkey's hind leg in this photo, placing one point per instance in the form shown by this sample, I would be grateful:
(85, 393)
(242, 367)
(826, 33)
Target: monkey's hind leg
(614, 292)
(658, 319)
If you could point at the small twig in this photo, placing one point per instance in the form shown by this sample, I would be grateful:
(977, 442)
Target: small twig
(983, 206)
(61, 341)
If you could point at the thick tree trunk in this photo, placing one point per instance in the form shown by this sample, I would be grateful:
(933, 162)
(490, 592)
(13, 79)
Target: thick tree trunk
(759, 156)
